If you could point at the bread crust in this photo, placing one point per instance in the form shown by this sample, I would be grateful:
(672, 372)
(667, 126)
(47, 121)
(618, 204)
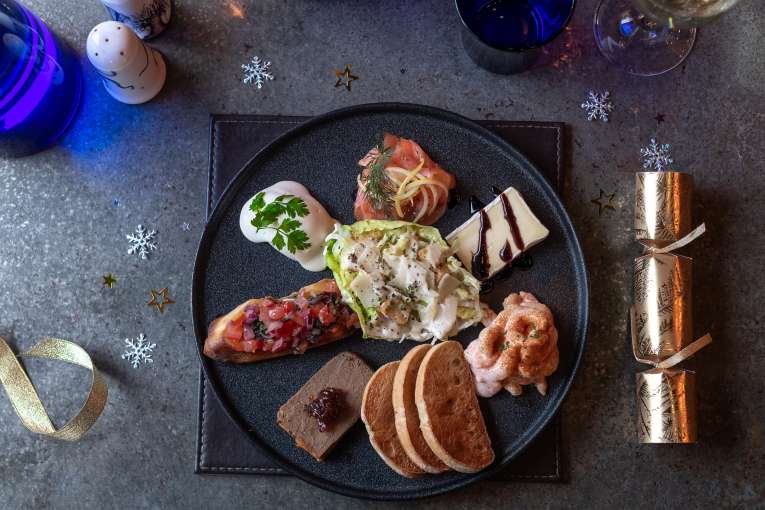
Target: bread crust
(378, 417)
(407, 419)
(450, 417)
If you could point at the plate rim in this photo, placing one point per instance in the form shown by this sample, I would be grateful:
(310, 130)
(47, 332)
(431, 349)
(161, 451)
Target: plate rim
(200, 328)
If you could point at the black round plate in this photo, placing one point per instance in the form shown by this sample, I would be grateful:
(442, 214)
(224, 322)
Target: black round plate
(322, 154)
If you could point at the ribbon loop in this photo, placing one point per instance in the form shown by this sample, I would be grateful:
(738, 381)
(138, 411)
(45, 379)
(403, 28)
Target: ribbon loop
(682, 355)
(686, 239)
(686, 352)
(25, 400)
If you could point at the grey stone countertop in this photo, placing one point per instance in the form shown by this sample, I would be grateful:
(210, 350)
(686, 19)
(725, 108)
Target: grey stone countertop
(64, 214)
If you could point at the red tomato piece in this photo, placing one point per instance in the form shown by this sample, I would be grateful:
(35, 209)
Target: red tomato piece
(276, 313)
(326, 316)
(235, 329)
(287, 330)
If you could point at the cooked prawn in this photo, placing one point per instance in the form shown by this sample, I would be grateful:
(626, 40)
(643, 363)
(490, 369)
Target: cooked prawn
(519, 347)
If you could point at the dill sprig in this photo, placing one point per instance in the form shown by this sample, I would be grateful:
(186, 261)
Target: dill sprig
(378, 188)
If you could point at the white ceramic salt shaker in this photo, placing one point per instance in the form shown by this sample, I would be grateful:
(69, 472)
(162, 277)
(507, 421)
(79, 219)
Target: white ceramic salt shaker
(133, 72)
(146, 17)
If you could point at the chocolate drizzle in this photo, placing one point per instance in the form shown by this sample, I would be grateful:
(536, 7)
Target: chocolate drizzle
(522, 262)
(475, 204)
(510, 218)
(506, 253)
(480, 260)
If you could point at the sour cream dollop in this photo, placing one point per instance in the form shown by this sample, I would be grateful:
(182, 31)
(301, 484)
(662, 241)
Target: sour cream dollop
(317, 225)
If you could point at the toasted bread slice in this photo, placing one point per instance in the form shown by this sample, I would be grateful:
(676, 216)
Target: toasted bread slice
(407, 418)
(450, 417)
(377, 415)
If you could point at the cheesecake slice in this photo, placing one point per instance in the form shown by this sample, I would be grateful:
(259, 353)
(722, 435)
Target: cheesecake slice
(497, 234)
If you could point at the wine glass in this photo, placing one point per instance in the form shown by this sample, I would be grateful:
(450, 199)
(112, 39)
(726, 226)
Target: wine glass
(650, 37)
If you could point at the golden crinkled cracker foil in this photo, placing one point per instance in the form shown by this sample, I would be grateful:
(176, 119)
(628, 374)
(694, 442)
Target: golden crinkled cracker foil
(666, 400)
(662, 207)
(662, 321)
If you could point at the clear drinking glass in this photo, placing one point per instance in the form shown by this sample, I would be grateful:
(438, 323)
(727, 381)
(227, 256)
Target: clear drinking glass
(650, 37)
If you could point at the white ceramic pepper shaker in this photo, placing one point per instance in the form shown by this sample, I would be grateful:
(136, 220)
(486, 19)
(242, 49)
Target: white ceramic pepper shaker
(133, 72)
(146, 17)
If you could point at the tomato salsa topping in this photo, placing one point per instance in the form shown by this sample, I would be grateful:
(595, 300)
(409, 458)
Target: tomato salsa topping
(275, 325)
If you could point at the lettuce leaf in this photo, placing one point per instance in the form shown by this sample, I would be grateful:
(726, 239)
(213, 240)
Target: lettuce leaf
(342, 240)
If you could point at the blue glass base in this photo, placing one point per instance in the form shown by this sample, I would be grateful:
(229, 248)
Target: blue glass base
(40, 80)
(494, 60)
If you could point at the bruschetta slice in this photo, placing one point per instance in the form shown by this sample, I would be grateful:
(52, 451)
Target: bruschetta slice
(269, 327)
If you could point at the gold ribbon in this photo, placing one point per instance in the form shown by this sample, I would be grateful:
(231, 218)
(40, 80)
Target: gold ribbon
(25, 400)
(686, 352)
(686, 239)
(681, 355)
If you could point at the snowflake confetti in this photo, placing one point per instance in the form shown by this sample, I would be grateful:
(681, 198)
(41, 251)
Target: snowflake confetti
(257, 72)
(598, 106)
(142, 242)
(139, 350)
(656, 156)
(185, 226)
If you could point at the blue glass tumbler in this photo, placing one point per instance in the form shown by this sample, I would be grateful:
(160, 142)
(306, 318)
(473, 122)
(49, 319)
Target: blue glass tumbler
(40, 83)
(505, 36)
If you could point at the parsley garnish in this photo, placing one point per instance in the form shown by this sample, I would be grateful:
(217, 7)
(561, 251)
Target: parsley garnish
(378, 188)
(267, 217)
(259, 329)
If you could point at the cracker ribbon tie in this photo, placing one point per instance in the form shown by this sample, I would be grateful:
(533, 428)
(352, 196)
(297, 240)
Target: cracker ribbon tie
(25, 400)
(682, 355)
(686, 239)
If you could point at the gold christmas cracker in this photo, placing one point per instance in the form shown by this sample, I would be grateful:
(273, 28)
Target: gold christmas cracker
(662, 306)
(666, 406)
(25, 400)
(662, 207)
(661, 317)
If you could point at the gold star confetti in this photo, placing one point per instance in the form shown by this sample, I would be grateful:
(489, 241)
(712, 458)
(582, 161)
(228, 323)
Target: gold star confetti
(160, 305)
(344, 78)
(236, 9)
(109, 280)
(606, 204)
